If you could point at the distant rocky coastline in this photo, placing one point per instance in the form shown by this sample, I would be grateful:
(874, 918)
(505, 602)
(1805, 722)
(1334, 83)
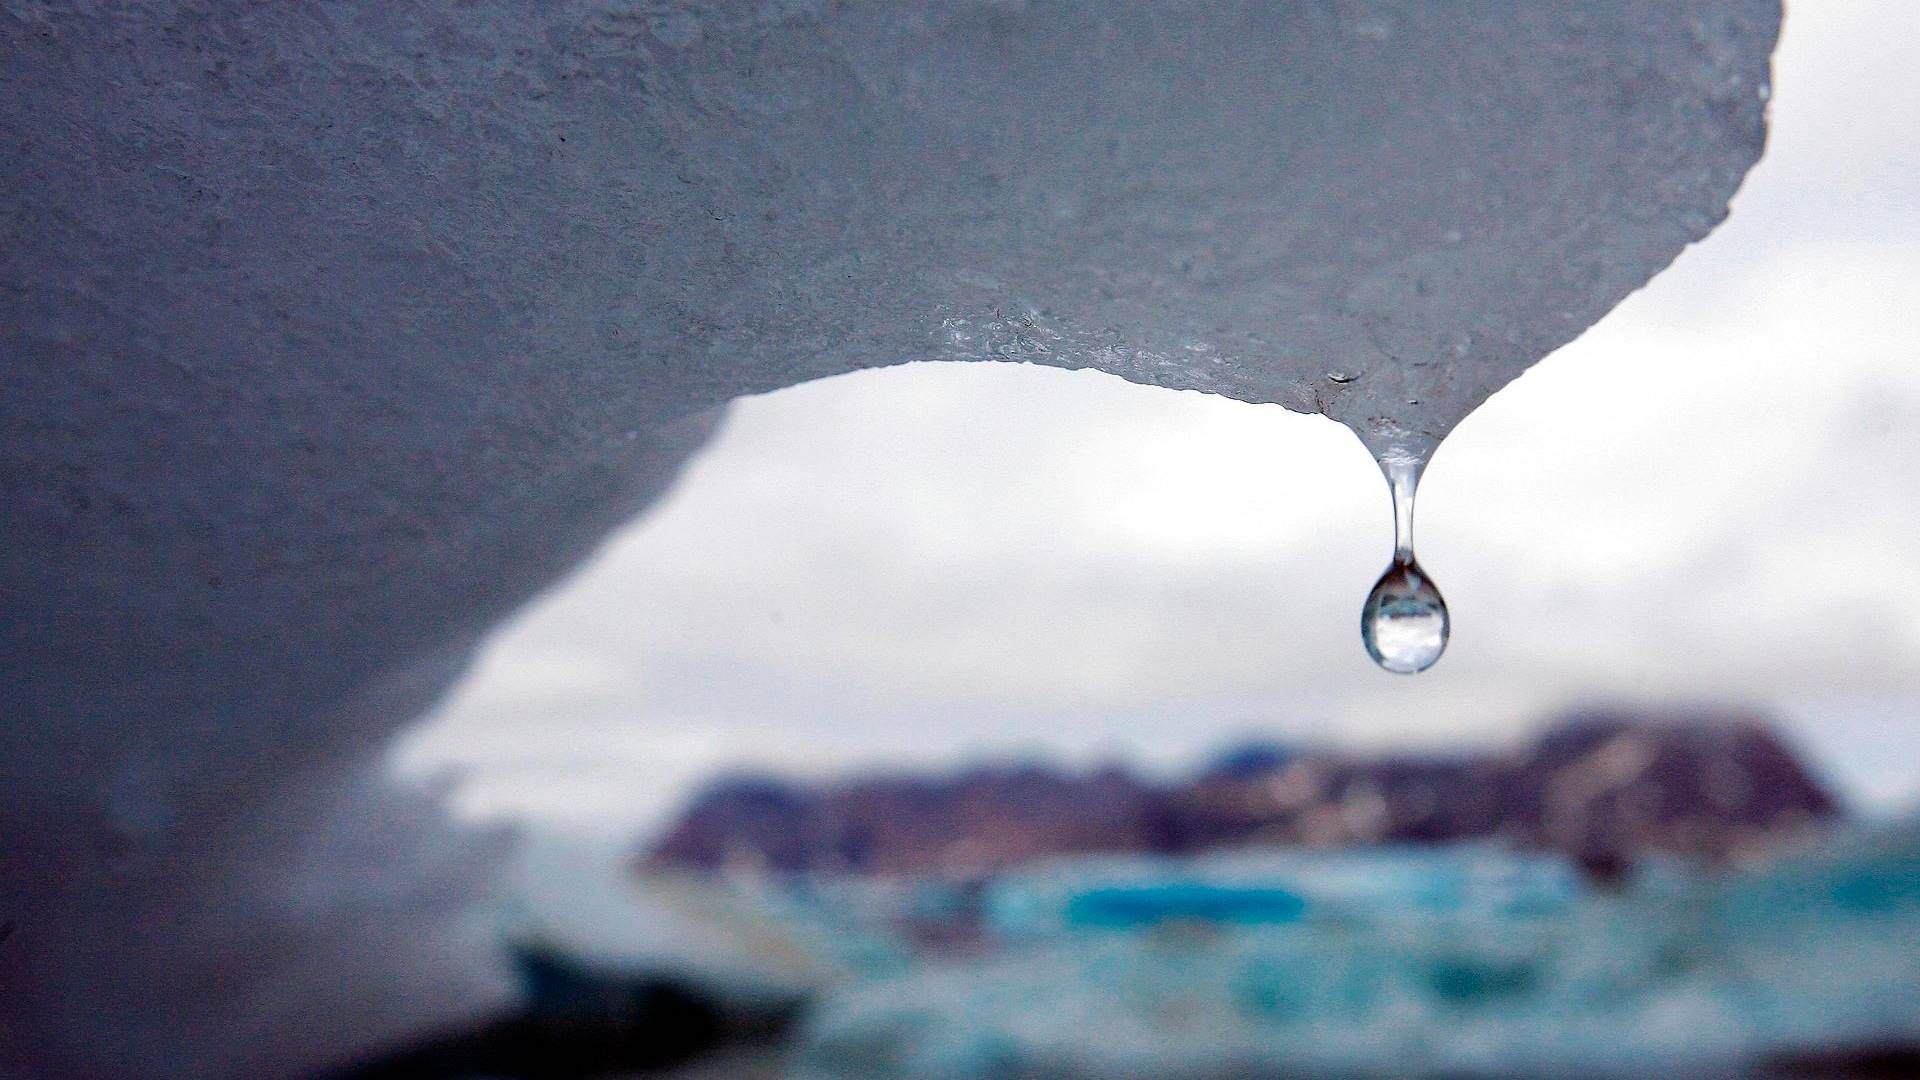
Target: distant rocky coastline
(1604, 788)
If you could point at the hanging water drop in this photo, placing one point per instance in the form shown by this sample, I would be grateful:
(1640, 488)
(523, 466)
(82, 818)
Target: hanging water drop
(1404, 623)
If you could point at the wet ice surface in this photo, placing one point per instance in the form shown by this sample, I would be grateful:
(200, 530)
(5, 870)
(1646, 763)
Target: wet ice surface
(333, 334)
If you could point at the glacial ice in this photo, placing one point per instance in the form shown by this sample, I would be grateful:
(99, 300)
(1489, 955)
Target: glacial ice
(332, 333)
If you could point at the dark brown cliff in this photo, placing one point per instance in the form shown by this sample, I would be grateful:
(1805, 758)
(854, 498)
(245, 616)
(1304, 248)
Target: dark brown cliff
(1600, 786)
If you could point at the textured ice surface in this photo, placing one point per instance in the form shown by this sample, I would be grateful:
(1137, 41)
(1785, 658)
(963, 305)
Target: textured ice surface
(328, 333)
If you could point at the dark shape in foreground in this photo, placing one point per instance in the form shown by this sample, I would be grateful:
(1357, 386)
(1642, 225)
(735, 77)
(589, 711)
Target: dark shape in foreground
(1601, 787)
(582, 1022)
(1892, 1061)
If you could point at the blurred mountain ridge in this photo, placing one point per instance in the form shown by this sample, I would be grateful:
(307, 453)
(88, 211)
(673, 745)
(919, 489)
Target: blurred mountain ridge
(1604, 786)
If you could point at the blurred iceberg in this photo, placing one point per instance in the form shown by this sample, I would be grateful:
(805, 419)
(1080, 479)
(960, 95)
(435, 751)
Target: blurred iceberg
(1464, 961)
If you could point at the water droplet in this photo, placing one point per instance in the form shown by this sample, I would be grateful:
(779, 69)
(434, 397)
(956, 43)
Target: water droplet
(1341, 376)
(1404, 622)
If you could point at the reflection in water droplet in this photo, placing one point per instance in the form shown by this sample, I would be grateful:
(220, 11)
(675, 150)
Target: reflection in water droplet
(1404, 622)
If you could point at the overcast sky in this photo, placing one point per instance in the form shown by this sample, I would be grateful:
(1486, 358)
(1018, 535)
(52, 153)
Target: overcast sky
(1712, 495)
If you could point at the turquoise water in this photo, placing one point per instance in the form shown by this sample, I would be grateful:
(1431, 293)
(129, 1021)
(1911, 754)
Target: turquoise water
(1400, 963)
(1422, 962)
